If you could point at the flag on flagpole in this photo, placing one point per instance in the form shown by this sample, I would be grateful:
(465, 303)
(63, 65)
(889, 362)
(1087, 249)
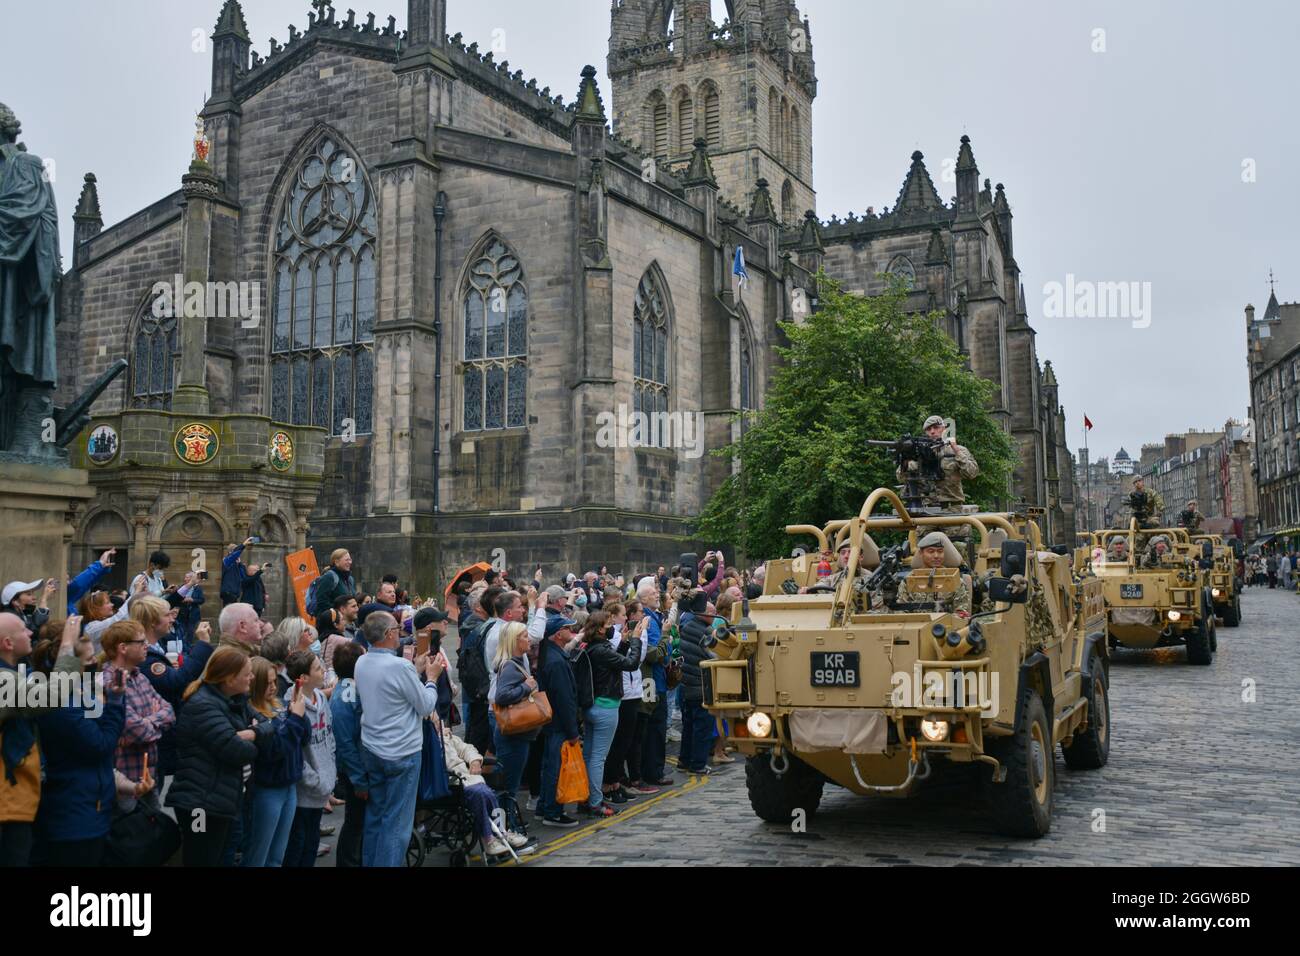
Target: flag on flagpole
(738, 270)
(1086, 423)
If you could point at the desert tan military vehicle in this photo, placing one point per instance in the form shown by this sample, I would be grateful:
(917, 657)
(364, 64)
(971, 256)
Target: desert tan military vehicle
(853, 688)
(1154, 601)
(1223, 580)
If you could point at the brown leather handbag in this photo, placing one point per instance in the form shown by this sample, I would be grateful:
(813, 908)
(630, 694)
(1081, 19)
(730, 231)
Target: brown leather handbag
(529, 714)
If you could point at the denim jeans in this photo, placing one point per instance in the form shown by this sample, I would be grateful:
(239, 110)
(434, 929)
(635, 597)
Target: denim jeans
(304, 838)
(601, 722)
(512, 755)
(655, 745)
(390, 814)
(271, 820)
(552, 742)
(697, 736)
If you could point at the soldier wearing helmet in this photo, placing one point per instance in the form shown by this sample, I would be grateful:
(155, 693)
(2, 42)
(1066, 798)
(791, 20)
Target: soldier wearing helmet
(955, 463)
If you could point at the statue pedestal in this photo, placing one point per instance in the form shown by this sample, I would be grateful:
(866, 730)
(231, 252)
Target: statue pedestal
(37, 504)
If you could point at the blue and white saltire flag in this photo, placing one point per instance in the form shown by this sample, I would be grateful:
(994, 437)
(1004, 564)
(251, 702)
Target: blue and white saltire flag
(738, 269)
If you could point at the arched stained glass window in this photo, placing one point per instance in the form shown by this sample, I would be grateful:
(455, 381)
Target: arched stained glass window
(495, 304)
(155, 353)
(650, 353)
(324, 295)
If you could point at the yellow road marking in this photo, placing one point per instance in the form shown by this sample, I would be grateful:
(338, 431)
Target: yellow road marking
(578, 835)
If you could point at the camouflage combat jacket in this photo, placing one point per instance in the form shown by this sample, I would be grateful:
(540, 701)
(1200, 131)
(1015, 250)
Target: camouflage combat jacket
(954, 464)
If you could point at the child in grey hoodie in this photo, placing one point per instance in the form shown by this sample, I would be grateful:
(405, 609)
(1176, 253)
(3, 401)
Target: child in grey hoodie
(318, 768)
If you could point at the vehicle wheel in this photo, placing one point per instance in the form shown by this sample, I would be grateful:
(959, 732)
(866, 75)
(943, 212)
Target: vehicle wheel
(1022, 804)
(415, 851)
(775, 798)
(1198, 644)
(1232, 616)
(1091, 748)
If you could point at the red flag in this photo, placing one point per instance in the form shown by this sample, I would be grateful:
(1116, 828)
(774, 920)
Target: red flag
(1086, 423)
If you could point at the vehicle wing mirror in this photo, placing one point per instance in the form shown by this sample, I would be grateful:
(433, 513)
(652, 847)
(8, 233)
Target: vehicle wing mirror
(1014, 555)
(1004, 591)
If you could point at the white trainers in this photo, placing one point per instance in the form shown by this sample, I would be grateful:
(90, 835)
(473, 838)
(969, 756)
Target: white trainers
(675, 735)
(516, 840)
(532, 804)
(494, 847)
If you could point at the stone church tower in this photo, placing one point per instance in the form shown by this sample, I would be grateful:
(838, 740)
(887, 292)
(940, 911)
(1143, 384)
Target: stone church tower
(746, 86)
(462, 281)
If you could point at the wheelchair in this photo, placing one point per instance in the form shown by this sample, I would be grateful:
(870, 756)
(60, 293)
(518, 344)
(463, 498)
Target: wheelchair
(448, 823)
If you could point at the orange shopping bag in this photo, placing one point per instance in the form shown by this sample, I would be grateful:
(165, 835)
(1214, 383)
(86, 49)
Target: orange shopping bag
(572, 786)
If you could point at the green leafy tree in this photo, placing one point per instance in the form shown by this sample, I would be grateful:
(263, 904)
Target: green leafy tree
(858, 368)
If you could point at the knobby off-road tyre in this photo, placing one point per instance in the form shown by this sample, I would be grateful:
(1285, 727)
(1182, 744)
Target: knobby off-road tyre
(774, 798)
(1090, 748)
(1232, 615)
(1199, 649)
(1021, 806)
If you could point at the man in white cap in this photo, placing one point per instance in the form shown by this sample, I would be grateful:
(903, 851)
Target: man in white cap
(932, 549)
(955, 463)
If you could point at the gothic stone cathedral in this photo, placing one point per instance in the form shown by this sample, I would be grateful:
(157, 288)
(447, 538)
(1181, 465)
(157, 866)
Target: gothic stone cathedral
(459, 272)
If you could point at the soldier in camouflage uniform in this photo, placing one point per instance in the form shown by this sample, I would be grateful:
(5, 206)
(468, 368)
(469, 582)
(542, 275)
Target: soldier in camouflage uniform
(873, 599)
(1117, 549)
(1191, 517)
(912, 590)
(955, 463)
(1148, 503)
(1038, 618)
(1157, 548)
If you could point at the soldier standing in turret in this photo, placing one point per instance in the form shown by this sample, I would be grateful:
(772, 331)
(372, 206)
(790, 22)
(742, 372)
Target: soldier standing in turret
(955, 463)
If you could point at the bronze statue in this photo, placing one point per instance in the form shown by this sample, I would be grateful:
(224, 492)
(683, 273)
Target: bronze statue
(31, 428)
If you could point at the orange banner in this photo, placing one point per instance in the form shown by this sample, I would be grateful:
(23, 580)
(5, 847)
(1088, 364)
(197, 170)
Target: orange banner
(303, 570)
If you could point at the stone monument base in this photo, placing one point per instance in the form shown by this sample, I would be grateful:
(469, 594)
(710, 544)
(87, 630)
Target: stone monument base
(38, 505)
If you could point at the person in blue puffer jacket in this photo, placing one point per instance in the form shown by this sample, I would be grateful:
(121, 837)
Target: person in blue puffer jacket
(78, 742)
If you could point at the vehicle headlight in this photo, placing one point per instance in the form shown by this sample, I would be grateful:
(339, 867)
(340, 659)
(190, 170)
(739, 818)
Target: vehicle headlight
(1175, 615)
(1215, 592)
(934, 730)
(758, 724)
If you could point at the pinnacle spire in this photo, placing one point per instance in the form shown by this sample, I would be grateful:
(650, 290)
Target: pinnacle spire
(965, 155)
(810, 239)
(231, 21)
(88, 203)
(1000, 201)
(590, 105)
(700, 171)
(918, 190)
(761, 209)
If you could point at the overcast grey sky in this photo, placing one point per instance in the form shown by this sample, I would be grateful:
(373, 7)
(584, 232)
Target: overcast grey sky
(1121, 166)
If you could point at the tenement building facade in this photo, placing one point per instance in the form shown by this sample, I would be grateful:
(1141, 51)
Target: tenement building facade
(1273, 360)
(459, 279)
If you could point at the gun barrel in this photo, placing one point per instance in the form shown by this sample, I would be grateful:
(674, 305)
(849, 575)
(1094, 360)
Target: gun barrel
(880, 443)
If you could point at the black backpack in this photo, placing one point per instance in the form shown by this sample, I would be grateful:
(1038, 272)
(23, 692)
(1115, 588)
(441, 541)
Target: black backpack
(471, 666)
(583, 677)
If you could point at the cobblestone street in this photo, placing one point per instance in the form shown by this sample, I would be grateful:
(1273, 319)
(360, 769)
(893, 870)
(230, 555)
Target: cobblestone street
(1196, 776)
